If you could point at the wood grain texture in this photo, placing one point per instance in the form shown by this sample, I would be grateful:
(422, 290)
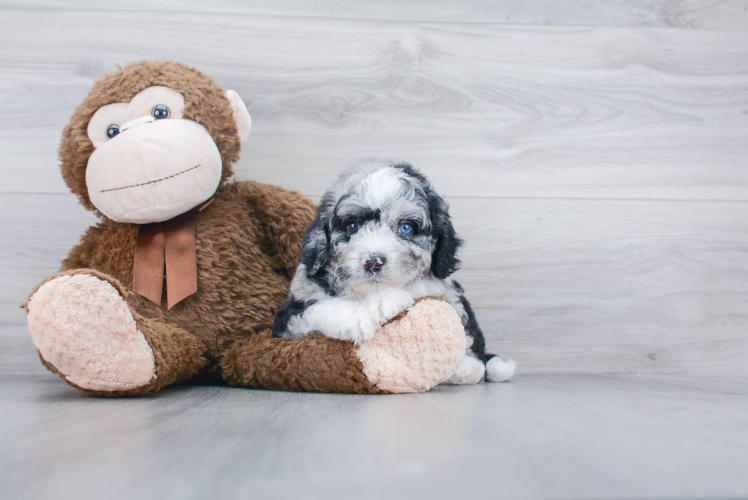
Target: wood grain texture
(533, 112)
(561, 286)
(691, 14)
(37, 232)
(555, 437)
(610, 286)
(598, 174)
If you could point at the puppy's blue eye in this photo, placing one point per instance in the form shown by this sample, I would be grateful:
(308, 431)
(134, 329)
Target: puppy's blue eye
(405, 228)
(112, 131)
(352, 228)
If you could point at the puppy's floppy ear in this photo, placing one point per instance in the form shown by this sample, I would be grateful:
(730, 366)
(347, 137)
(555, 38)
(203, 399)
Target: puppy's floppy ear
(443, 260)
(316, 250)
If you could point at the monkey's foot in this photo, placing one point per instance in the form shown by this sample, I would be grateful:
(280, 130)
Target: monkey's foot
(84, 331)
(417, 351)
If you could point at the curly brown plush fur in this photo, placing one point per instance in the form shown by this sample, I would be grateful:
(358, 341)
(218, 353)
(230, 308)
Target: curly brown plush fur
(248, 243)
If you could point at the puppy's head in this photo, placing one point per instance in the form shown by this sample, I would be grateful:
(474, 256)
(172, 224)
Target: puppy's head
(381, 225)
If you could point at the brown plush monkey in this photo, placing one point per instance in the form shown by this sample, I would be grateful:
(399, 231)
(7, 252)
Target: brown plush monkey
(185, 271)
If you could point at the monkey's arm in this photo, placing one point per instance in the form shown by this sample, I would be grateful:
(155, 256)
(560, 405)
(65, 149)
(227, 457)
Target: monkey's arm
(413, 353)
(284, 215)
(314, 363)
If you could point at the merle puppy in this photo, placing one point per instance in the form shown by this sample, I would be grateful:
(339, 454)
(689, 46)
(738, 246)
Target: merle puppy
(381, 239)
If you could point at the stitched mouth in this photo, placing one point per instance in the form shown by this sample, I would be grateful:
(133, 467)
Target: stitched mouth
(151, 182)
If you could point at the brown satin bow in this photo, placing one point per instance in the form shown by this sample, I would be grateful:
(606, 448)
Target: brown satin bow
(171, 243)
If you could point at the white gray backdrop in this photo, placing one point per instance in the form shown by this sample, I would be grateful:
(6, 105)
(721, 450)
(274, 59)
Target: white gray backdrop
(595, 154)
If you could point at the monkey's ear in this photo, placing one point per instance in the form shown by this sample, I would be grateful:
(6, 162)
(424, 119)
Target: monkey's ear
(241, 115)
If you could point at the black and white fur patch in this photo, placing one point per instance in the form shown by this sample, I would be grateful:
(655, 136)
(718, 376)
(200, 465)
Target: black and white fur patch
(382, 238)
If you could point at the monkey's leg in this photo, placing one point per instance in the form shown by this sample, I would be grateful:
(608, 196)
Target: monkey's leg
(86, 333)
(413, 353)
(314, 363)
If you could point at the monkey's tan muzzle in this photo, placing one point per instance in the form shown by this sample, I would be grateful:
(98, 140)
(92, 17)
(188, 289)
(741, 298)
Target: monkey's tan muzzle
(153, 171)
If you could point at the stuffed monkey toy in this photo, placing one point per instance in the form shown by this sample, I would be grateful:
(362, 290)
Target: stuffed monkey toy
(184, 272)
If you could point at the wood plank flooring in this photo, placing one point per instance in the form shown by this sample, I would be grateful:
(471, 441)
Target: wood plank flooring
(553, 437)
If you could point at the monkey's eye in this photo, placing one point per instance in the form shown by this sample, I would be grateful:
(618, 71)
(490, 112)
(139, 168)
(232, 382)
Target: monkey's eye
(406, 228)
(160, 111)
(112, 131)
(352, 227)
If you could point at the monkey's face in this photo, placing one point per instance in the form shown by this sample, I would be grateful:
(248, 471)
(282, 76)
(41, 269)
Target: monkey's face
(151, 164)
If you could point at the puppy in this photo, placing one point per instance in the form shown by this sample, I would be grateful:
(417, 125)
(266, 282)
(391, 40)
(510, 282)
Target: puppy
(382, 238)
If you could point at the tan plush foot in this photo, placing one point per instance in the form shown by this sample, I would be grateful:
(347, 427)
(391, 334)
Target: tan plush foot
(85, 330)
(417, 352)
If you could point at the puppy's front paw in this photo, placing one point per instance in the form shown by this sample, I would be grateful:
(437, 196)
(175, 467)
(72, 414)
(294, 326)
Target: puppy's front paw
(387, 304)
(360, 328)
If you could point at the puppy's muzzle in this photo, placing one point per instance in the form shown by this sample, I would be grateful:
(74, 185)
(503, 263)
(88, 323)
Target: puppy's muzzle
(375, 262)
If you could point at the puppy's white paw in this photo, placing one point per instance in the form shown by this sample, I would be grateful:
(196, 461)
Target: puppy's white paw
(498, 370)
(360, 328)
(385, 305)
(470, 371)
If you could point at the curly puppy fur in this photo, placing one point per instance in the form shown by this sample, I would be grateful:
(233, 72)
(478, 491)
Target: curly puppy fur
(382, 238)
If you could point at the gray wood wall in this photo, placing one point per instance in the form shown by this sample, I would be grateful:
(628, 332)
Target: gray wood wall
(595, 154)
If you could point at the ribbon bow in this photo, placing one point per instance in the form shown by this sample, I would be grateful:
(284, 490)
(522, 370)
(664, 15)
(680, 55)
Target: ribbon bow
(166, 247)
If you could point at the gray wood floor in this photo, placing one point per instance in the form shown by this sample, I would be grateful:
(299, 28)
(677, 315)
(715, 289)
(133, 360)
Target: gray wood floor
(543, 436)
(595, 158)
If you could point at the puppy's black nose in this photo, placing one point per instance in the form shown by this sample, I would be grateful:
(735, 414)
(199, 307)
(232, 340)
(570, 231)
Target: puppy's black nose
(375, 262)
